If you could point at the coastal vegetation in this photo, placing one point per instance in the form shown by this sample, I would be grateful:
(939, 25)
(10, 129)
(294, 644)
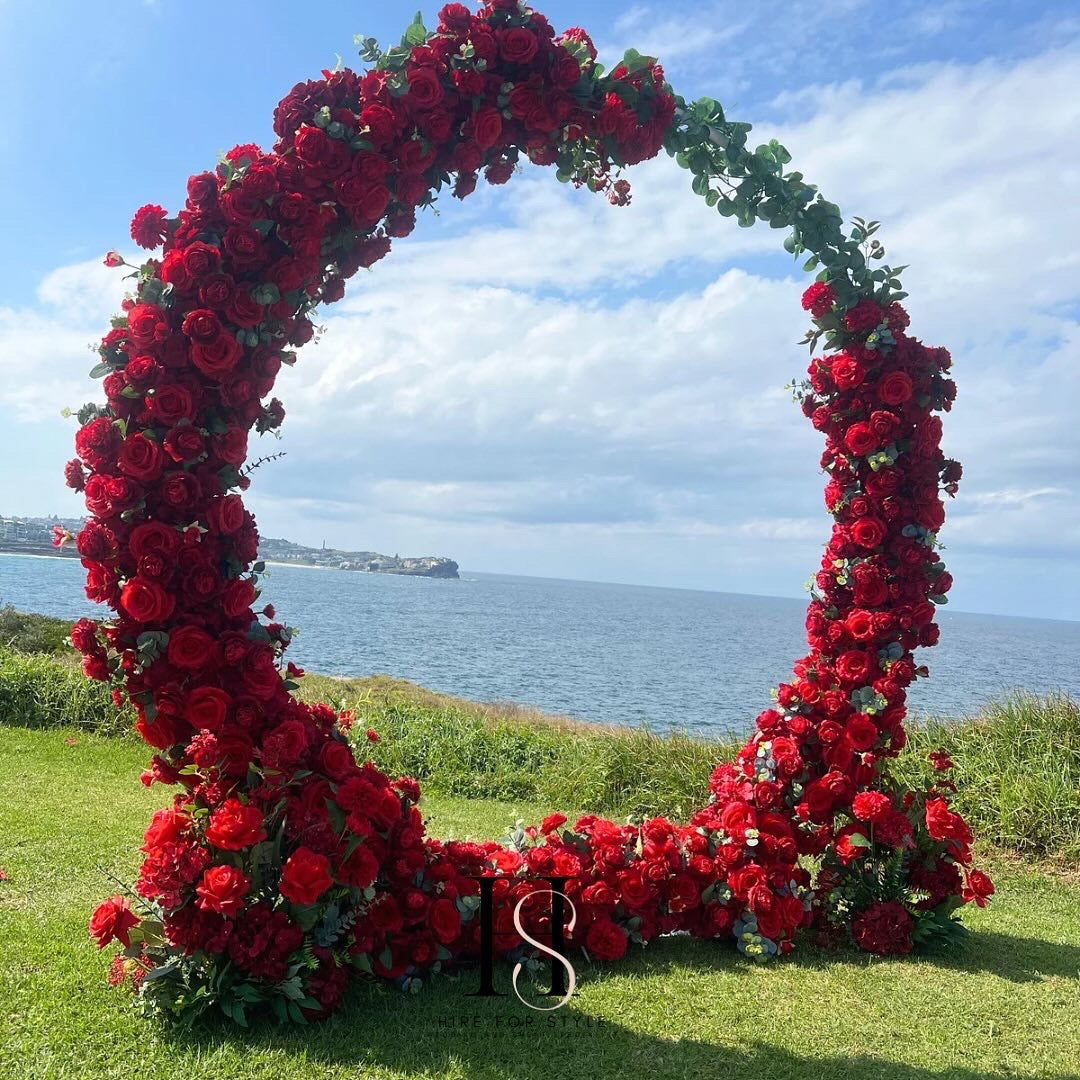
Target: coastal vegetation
(1016, 762)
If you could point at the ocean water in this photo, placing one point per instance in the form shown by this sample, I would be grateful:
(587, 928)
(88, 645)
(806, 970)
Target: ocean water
(670, 658)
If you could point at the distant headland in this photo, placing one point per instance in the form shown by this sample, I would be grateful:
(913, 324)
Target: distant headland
(34, 536)
(272, 549)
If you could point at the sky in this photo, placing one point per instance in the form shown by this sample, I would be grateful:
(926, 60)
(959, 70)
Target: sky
(539, 383)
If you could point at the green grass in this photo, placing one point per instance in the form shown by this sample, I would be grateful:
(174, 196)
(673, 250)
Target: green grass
(70, 803)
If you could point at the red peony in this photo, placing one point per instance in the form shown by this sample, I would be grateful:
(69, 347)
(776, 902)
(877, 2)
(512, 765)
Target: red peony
(305, 876)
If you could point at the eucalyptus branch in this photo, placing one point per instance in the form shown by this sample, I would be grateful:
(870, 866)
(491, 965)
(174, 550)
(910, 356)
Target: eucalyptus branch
(248, 469)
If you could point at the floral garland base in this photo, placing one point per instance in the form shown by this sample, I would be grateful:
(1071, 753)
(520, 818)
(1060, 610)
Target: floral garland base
(286, 860)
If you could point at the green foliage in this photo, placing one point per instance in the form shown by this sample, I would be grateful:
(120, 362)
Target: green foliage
(752, 185)
(42, 691)
(1017, 767)
(24, 632)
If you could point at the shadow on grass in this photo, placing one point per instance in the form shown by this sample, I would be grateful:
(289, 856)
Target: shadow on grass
(444, 1031)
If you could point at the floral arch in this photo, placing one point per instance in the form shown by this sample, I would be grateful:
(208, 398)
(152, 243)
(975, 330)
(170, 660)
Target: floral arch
(284, 862)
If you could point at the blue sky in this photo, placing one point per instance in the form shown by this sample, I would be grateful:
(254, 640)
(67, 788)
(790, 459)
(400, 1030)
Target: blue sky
(536, 382)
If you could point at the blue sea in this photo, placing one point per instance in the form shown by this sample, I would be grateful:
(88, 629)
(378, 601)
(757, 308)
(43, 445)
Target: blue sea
(695, 661)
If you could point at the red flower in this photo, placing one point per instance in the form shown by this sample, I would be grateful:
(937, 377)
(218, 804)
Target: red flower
(111, 921)
(444, 920)
(871, 805)
(222, 889)
(819, 299)
(895, 388)
(148, 226)
(865, 315)
(146, 601)
(979, 888)
(943, 824)
(305, 876)
(884, 929)
(235, 825)
(606, 940)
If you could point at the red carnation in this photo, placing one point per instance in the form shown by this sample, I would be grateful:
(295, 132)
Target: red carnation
(606, 940)
(149, 226)
(871, 805)
(819, 299)
(865, 315)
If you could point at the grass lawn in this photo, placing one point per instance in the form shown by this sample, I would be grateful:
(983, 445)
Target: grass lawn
(70, 803)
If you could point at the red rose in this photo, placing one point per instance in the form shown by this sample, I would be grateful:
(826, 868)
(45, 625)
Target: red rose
(943, 824)
(853, 666)
(217, 358)
(216, 290)
(425, 89)
(207, 707)
(202, 190)
(235, 825)
(305, 876)
(146, 324)
(185, 443)
(237, 597)
(851, 843)
(606, 940)
(895, 388)
(190, 648)
(146, 601)
(202, 326)
(552, 823)
(979, 888)
(201, 259)
(861, 439)
(140, 458)
(222, 889)
(485, 127)
(226, 516)
(111, 921)
(336, 760)
(455, 18)
(868, 532)
(444, 920)
(516, 44)
(846, 372)
(862, 731)
(360, 869)
(171, 403)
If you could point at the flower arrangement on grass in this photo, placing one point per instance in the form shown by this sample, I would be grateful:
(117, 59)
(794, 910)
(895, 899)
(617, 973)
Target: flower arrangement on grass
(286, 860)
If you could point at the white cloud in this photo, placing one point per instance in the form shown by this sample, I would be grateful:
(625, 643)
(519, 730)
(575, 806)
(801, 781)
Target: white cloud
(549, 370)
